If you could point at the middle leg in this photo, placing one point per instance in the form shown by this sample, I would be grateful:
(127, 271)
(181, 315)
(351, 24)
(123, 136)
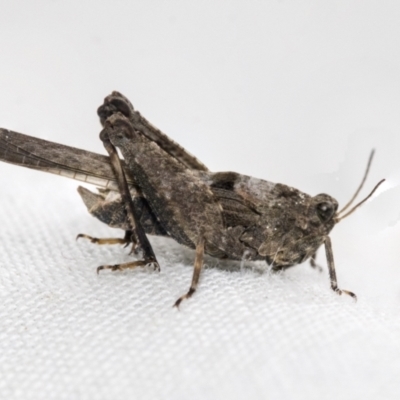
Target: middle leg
(198, 265)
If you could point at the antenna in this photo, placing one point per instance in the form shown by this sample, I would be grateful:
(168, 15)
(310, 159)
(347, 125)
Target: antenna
(338, 218)
(371, 156)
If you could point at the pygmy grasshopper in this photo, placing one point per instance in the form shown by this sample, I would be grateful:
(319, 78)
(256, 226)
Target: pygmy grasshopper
(161, 189)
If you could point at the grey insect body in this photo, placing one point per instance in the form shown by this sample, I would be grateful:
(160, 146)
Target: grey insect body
(161, 189)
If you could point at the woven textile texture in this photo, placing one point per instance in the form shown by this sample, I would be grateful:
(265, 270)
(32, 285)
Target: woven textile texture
(296, 92)
(67, 333)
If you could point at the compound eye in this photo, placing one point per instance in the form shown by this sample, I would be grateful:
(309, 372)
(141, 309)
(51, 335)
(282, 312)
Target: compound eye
(325, 211)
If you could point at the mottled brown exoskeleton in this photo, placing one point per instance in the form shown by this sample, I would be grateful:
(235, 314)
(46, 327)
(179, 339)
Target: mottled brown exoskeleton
(161, 189)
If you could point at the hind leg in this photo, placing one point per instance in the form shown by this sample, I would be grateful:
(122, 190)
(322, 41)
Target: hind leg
(125, 240)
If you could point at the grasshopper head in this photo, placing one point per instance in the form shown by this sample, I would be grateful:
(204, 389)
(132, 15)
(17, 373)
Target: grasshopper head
(295, 231)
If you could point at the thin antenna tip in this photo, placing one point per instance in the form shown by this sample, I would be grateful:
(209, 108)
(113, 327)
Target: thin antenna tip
(340, 217)
(371, 155)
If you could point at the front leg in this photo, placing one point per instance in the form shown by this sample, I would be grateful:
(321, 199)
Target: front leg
(332, 272)
(138, 237)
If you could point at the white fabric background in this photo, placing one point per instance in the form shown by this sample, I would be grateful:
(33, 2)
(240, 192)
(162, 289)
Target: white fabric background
(288, 92)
